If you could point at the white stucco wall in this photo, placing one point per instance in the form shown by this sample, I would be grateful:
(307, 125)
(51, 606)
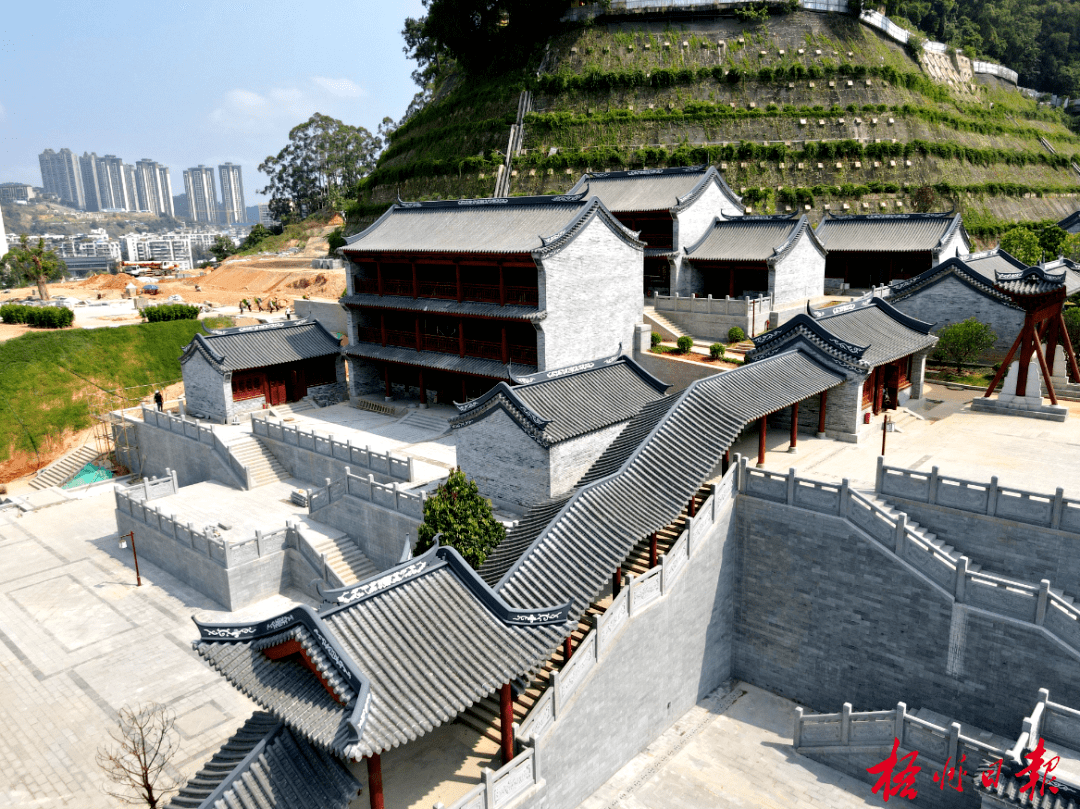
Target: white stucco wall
(207, 392)
(799, 275)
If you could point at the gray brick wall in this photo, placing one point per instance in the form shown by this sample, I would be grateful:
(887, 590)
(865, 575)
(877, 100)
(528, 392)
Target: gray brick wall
(824, 617)
(207, 391)
(664, 661)
(157, 450)
(950, 301)
(799, 275)
(383, 535)
(572, 459)
(592, 293)
(1014, 549)
(507, 465)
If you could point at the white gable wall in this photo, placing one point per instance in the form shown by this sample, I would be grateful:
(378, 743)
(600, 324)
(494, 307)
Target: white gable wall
(591, 290)
(956, 242)
(207, 391)
(690, 225)
(799, 275)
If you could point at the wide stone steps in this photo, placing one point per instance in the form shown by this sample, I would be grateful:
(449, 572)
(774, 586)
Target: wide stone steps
(285, 411)
(265, 467)
(929, 537)
(64, 468)
(664, 323)
(344, 557)
(424, 422)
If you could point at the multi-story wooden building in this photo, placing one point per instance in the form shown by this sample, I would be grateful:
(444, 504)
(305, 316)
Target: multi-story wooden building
(447, 296)
(670, 209)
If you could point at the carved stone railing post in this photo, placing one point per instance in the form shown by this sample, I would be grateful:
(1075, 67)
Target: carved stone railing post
(1044, 597)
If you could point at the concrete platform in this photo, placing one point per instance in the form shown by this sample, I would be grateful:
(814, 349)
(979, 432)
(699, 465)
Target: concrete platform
(211, 503)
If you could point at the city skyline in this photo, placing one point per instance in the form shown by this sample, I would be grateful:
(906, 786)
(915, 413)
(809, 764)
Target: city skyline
(235, 108)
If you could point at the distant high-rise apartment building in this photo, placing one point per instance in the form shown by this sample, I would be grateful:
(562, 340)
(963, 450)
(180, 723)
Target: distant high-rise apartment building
(265, 217)
(131, 187)
(154, 187)
(232, 194)
(201, 194)
(16, 192)
(88, 166)
(112, 193)
(61, 174)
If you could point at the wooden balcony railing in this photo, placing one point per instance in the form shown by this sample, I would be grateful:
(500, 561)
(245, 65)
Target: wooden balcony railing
(483, 293)
(449, 345)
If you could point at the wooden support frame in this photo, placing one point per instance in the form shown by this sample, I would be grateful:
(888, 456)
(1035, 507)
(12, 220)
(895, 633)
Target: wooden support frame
(375, 784)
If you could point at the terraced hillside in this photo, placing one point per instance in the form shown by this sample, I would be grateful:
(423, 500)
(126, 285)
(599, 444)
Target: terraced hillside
(803, 110)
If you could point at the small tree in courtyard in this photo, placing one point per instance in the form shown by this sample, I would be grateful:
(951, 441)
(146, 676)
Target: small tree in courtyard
(463, 517)
(144, 742)
(962, 342)
(1023, 244)
(37, 265)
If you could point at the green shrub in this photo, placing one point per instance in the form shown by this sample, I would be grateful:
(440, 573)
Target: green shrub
(716, 351)
(39, 317)
(685, 343)
(654, 339)
(735, 335)
(961, 343)
(170, 311)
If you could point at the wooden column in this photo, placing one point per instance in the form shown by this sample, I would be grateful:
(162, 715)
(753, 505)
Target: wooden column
(794, 428)
(616, 582)
(505, 347)
(423, 389)
(653, 560)
(502, 286)
(386, 378)
(1025, 356)
(725, 463)
(382, 327)
(374, 778)
(457, 279)
(568, 647)
(691, 507)
(415, 280)
(461, 337)
(762, 428)
(378, 275)
(506, 722)
(419, 341)
(821, 413)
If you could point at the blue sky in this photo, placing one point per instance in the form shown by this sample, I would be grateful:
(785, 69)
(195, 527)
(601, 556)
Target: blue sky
(193, 81)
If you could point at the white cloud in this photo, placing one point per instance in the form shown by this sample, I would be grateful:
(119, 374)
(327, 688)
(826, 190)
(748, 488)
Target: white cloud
(342, 88)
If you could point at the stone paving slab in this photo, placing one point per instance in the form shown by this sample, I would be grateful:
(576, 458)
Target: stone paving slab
(78, 641)
(733, 749)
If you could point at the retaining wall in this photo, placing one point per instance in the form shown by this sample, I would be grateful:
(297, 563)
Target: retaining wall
(165, 442)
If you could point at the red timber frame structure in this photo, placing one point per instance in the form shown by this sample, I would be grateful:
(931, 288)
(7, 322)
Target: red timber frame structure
(1043, 321)
(505, 281)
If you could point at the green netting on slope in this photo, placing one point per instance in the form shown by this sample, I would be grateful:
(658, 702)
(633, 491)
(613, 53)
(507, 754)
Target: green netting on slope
(88, 474)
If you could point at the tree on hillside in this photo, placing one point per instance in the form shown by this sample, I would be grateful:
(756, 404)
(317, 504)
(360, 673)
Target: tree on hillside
(324, 160)
(144, 742)
(222, 248)
(963, 342)
(258, 234)
(924, 199)
(463, 517)
(25, 264)
(1021, 243)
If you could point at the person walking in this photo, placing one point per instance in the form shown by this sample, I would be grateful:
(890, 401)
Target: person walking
(159, 400)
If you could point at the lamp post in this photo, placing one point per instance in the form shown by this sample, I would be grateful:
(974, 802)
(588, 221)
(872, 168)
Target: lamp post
(123, 544)
(884, 430)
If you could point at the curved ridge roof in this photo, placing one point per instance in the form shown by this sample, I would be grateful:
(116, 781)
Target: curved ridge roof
(752, 238)
(888, 233)
(670, 189)
(260, 346)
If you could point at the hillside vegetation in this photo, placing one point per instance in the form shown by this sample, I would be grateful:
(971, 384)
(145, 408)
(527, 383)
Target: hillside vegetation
(803, 109)
(49, 381)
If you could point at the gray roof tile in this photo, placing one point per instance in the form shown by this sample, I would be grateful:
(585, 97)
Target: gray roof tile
(989, 262)
(566, 403)
(751, 238)
(963, 271)
(1035, 280)
(886, 233)
(887, 333)
(260, 346)
(653, 189)
(422, 642)
(505, 225)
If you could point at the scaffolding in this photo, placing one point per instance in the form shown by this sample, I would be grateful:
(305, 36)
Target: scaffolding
(114, 433)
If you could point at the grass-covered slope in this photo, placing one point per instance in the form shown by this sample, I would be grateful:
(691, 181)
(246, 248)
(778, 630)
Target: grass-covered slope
(804, 109)
(47, 378)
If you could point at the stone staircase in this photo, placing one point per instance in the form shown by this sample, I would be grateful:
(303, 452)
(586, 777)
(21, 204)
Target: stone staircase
(423, 422)
(252, 453)
(286, 411)
(483, 716)
(923, 533)
(669, 331)
(64, 468)
(343, 556)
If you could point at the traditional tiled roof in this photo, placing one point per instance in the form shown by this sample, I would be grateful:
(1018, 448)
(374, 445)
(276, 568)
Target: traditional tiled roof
(569, 402)
(1031, 281)
(960, 269)
(265, 766)
(443, 306)
(1071, 223)
(536, 225)
(888, 233)
(572, 558)
(670, 189)
(396, 656)
(752, 238)
(989, 262)
(887, 332)
(476, 366)
(260, 346)
(1072, 273)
